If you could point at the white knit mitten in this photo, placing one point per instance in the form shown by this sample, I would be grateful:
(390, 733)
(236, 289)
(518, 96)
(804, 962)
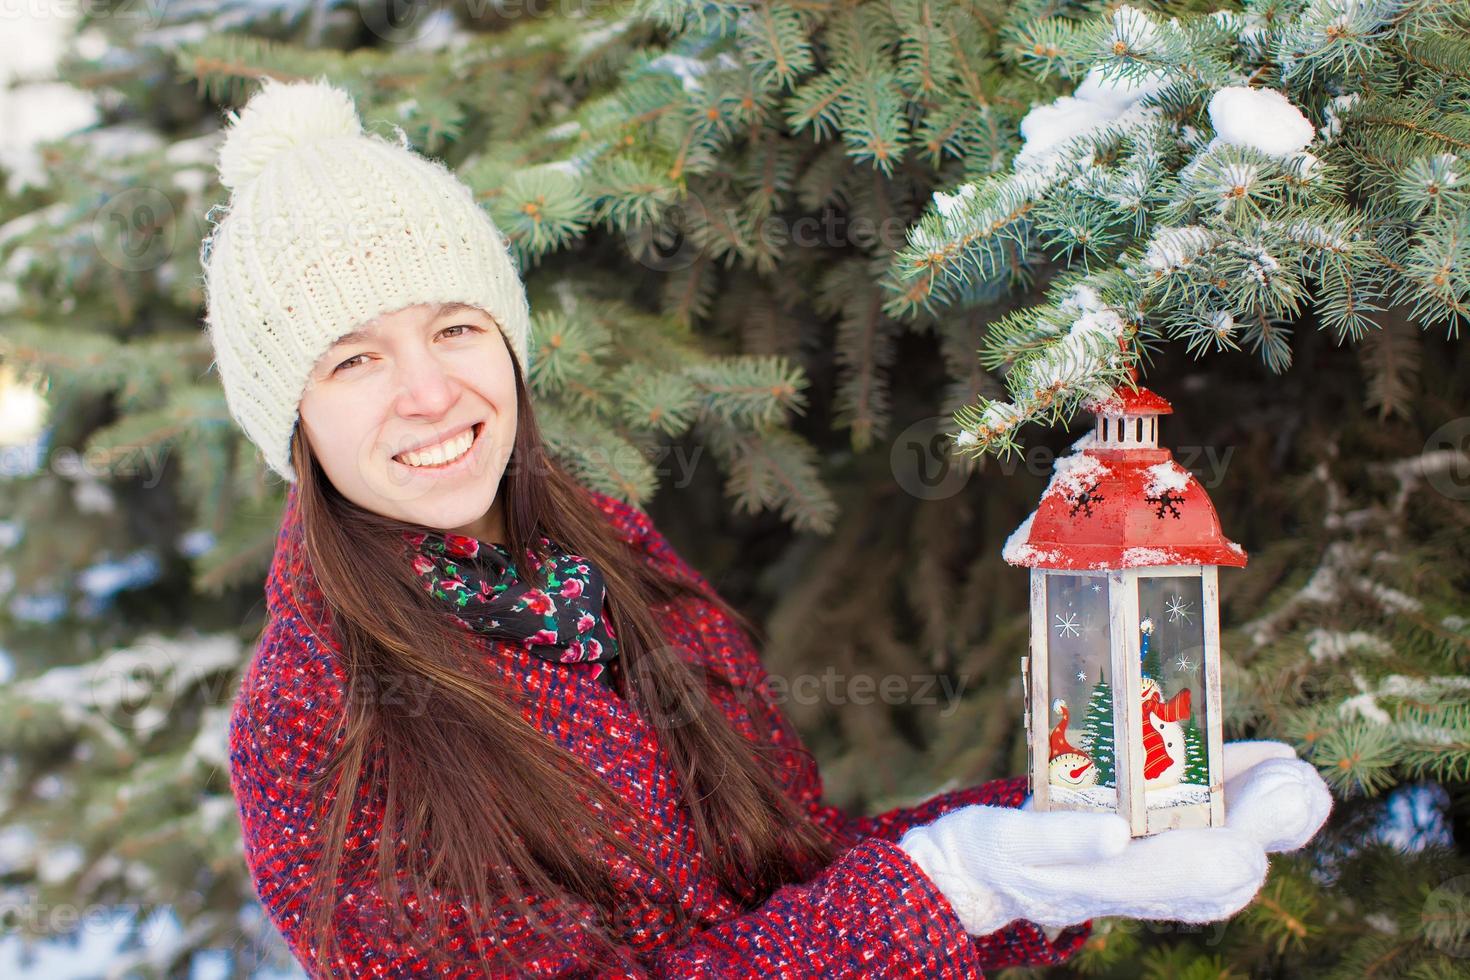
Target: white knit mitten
(997, 864)
(1273, 796)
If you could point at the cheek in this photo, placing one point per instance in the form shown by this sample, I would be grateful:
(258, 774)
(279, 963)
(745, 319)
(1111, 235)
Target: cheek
(341, 433)
(496, 383)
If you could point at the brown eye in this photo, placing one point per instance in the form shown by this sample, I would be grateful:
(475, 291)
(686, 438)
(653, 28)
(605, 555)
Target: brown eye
(458, 326)
(346, 364)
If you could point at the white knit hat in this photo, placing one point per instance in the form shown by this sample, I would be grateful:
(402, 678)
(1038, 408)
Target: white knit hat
(327, 228)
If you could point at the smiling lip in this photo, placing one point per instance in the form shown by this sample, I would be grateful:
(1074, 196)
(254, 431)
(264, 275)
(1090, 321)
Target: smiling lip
(476, 427)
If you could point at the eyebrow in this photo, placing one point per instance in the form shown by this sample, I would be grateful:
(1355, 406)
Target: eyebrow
(445, 309)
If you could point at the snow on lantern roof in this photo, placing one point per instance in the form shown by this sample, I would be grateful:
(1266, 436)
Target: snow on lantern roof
(1125, 400)
(1111, 506)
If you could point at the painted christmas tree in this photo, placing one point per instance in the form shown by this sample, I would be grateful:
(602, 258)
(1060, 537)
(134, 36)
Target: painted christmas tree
(1153, 667)
(1097, 732)
(1196, 766)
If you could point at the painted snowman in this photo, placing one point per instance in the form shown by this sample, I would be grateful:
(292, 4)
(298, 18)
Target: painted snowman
(1163, 736)
(1069, 766)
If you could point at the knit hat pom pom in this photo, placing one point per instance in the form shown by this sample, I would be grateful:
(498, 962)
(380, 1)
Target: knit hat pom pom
(280, 116)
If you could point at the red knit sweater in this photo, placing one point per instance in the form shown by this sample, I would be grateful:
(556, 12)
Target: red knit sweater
(871, 913)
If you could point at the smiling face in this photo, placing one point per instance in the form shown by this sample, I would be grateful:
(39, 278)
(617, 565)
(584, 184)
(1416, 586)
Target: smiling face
(413, 416)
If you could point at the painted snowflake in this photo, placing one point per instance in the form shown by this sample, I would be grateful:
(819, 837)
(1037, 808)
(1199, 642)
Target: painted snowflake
(1178, 609)
(1067, 626)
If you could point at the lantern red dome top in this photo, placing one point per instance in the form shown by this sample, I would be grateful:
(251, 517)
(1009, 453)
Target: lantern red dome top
(1121, 501)
(1129, 401)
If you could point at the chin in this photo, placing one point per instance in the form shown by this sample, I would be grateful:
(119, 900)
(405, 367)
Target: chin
(450, 514)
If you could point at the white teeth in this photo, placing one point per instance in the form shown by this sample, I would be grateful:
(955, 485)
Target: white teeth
(444, 452)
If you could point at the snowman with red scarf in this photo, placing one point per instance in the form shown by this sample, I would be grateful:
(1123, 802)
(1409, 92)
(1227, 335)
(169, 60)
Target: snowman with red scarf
(1163, 733)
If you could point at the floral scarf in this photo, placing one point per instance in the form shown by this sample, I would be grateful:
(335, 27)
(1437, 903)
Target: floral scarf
(480, 585)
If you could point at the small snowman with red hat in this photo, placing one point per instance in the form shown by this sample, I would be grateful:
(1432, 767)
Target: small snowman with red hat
(1069, 766)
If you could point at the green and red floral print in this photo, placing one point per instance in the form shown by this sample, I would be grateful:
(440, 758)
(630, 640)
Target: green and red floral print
(480, 586)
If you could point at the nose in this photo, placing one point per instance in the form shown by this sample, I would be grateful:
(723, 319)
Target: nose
(425, 389)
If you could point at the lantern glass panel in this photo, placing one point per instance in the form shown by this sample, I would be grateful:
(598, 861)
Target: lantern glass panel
(1176, 761)
(1079, 682)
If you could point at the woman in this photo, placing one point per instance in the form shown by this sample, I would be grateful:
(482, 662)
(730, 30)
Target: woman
(495, 726)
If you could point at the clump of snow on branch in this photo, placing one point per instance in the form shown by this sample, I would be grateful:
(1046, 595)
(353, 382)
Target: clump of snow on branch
(947, 204)
(1260, 118)
(998, 417)
(964, 213)
(1094, 316)
(1327, 645)
(686, 69)
(1170, 249)
(87, 702)
(1133, 30)
(1337, 107)
(1097, 103)
(1088, 347)
(1262, 264)
(1304, 166)
(1424, 690)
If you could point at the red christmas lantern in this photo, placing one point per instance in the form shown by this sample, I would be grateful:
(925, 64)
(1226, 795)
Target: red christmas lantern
(1124, 665)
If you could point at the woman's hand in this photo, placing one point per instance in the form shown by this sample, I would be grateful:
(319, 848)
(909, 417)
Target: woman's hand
(1273, 796)
(1060, 868)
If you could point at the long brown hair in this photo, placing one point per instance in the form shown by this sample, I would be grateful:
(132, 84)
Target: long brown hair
(459, 770)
